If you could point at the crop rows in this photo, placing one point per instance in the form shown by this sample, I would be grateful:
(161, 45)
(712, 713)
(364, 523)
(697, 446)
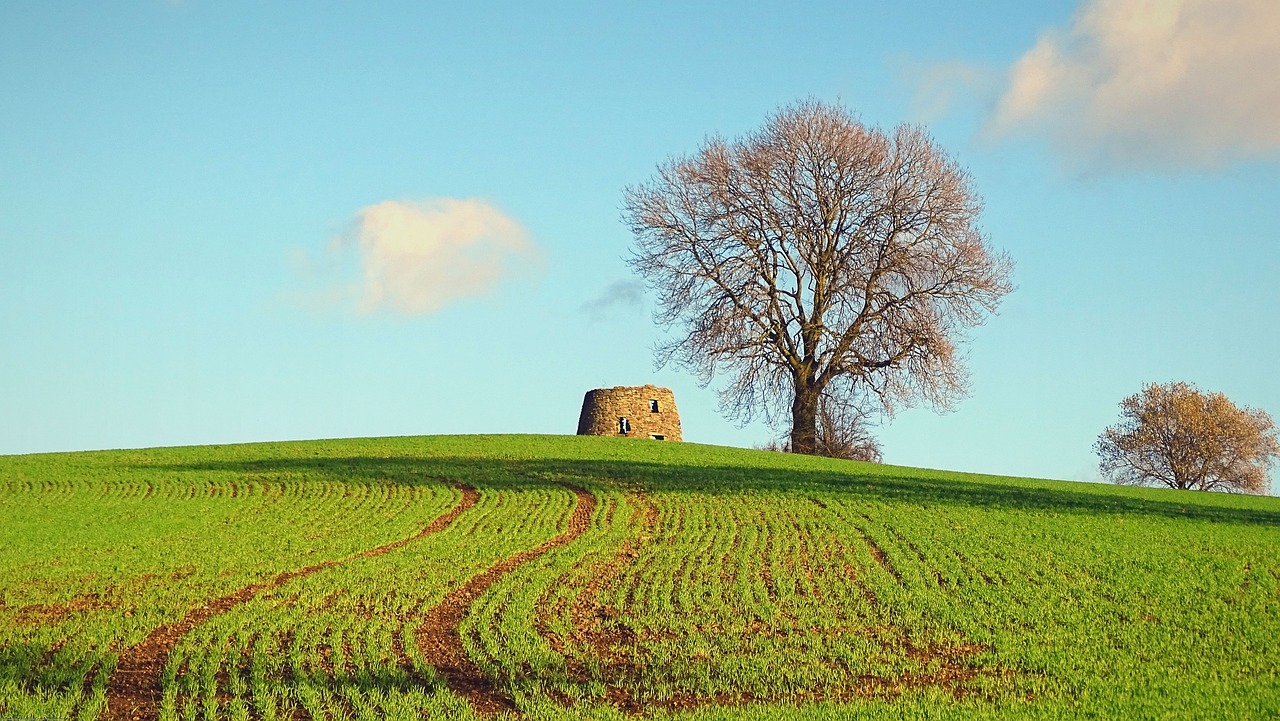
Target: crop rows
(98, 554)
(756, 598)
(593, 579)
(343, 642)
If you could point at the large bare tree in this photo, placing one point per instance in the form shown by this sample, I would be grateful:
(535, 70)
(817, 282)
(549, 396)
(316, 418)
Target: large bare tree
(820, 263)
(1175, 435)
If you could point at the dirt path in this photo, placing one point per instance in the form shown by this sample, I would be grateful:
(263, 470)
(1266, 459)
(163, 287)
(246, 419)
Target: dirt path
(440, 640)
(134, 690)
(586, 612)
(588, 616)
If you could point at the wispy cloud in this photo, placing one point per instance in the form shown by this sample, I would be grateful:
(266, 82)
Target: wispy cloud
(415, 257)
(620, 295)
(942, 88)
(1153, 83)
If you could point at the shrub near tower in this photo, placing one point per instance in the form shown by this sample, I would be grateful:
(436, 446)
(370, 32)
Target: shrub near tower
(630, 412)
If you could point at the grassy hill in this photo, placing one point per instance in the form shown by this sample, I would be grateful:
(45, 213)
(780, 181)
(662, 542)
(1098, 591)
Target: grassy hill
(576, 577)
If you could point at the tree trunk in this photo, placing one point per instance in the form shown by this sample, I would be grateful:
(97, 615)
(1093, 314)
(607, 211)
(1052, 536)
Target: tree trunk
(804, 421)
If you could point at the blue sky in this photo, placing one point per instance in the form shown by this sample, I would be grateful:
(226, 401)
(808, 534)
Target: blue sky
(208, 211)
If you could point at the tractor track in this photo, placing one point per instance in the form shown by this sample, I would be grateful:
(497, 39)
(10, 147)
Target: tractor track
(588, 616)
(134, 689)
(440, 639)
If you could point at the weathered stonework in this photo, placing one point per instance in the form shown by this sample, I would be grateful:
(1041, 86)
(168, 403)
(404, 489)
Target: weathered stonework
(604, 408)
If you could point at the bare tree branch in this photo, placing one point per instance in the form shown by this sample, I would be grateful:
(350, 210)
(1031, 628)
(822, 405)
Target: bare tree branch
(812, 251)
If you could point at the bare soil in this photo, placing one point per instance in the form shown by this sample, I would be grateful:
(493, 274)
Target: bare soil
(48, 614)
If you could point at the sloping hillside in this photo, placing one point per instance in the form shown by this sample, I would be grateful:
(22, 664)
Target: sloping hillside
(583, 577)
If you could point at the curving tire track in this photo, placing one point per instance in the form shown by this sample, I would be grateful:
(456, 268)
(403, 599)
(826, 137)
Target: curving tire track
(440, 640)
(585, 612)
(134, 690)
(590, 633)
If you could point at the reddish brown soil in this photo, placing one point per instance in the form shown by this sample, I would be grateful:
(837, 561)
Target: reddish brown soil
(134, 691)
(878, 553)
(588, 615)
(592, 630)
(48, 614)
(440, 640)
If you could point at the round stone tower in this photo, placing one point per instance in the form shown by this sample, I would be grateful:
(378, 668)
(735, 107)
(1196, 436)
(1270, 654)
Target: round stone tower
(630, 412)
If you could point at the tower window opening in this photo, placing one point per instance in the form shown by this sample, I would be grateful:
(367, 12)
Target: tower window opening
(624, 426)
(653, 406)
(658, 437)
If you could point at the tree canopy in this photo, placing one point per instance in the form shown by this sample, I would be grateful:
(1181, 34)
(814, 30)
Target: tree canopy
(819, 263)
(1173, 434)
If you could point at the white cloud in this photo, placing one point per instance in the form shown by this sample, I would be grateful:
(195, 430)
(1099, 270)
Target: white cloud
(1153, 83)
(415, 257)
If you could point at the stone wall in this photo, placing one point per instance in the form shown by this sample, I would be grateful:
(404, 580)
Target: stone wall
(603, 408)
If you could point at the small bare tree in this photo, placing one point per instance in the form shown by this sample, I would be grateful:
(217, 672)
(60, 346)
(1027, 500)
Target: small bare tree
(841, 433)
(1175, 435)
(816, 259)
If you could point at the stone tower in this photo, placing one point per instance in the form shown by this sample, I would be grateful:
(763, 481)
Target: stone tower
(630, 412)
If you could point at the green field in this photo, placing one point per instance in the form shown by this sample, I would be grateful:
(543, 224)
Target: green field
(680, 581)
